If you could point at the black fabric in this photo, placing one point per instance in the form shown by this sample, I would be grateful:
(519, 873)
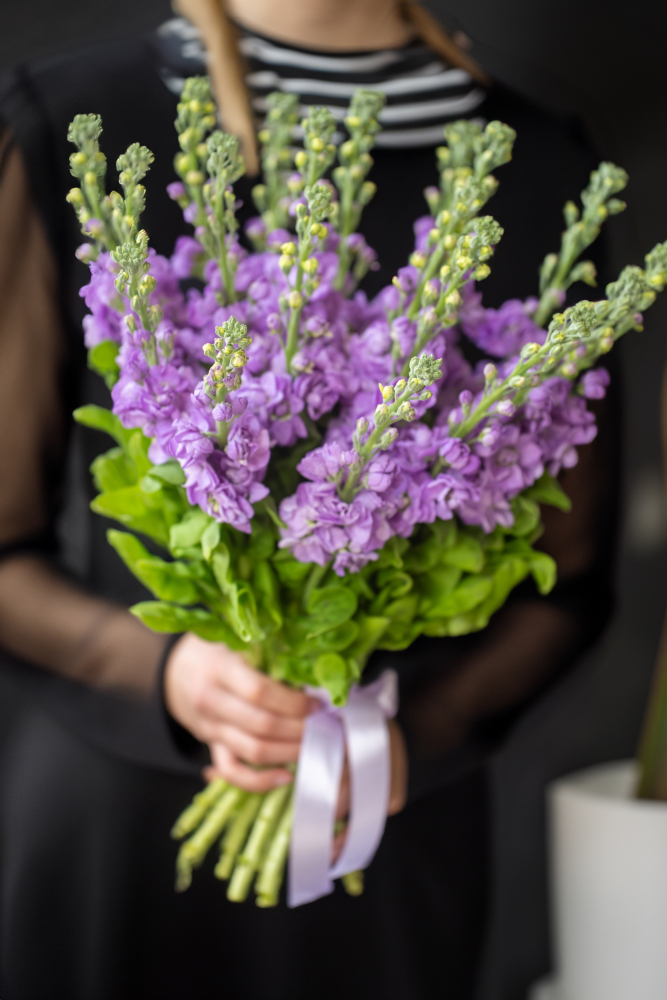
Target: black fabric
(89, 912)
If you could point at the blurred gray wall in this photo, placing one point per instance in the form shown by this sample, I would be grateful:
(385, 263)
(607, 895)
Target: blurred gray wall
(605, 62)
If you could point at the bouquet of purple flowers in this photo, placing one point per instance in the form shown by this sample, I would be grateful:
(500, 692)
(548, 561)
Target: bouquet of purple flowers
(325, 475)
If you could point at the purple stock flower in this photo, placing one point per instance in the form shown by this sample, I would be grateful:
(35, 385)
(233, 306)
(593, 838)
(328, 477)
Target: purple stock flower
(346, 347)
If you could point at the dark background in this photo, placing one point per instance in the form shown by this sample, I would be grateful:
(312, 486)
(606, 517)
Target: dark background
(603, 61)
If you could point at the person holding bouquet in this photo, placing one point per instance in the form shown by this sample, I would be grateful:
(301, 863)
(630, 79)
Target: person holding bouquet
(121, 722)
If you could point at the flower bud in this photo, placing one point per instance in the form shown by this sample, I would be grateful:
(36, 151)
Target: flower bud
(482, 272)
(490, 372)
(449, 242)
(431, 292)
(131, 324)
(506, 408)
(295, 299)
(285, 263)
(239, 359)
(387, 392)
(418, 259)
(288, 248)
(75, 197)
(388, 438)
(517, 381)
(453, 299)
(301, 159)
(362, 425)
(316, 144)
(444, 217)
(89, 178)
(400, 385)
(381, 414)
(311, 265)
(464, 263)
(569, 369)
(195, 177)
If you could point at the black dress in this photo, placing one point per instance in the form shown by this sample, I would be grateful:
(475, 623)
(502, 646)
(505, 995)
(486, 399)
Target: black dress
(94, 781)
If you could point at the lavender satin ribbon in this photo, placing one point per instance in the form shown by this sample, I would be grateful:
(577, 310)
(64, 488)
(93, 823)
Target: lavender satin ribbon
(362, 724)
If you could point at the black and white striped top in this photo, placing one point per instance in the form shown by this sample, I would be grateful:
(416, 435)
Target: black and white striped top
(422, 92)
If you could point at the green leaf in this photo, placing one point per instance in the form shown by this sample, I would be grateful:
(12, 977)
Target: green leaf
(113, 471)
(466, 553)
(467, 595)
(338, 638)
(137, 448)
(102, 359)
(169, 472)
(162, 617)
(210, 539)
(266, 588)
(262, 543)
(436, 585)
(548, 490)
(291, 572)
(240, 607)
(391, 554)
(98, 418)
(167, 581)
(331, 672)
(129, 506)
(526, 515)
(128, 547)
(371, 628)
(394, 583)
(544, 571)
(187, 533)
(328, 607)
(422, 557)
(445, 532)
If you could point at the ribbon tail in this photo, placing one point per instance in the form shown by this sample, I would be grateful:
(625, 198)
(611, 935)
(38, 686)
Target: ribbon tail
(369, 763)
(316, 790)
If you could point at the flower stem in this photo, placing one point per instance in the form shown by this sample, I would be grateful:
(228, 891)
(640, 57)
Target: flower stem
(191, 817)
(236, 835)
(271, 874)
(353, 883)
(250, 860)
(194, 850)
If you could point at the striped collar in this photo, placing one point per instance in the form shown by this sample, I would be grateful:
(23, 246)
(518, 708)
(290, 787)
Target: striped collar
(422, 91)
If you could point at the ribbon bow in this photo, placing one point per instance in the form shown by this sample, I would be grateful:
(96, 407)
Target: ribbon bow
(362, 724)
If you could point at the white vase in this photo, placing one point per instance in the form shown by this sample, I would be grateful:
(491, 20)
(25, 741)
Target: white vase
(609, 888)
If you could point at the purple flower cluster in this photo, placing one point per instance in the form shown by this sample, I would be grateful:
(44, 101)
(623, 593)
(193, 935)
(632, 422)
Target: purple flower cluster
(347, 348)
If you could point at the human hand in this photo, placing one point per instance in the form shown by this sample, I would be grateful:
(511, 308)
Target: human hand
(245, 717)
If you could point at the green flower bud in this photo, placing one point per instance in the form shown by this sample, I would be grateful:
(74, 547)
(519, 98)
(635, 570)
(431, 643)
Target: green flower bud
(75, 197)
(400, 385)
(387, 392)
(239, 359)
(295, 299)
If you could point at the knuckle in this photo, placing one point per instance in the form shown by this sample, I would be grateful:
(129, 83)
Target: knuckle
(255, 690)
(255, 752)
